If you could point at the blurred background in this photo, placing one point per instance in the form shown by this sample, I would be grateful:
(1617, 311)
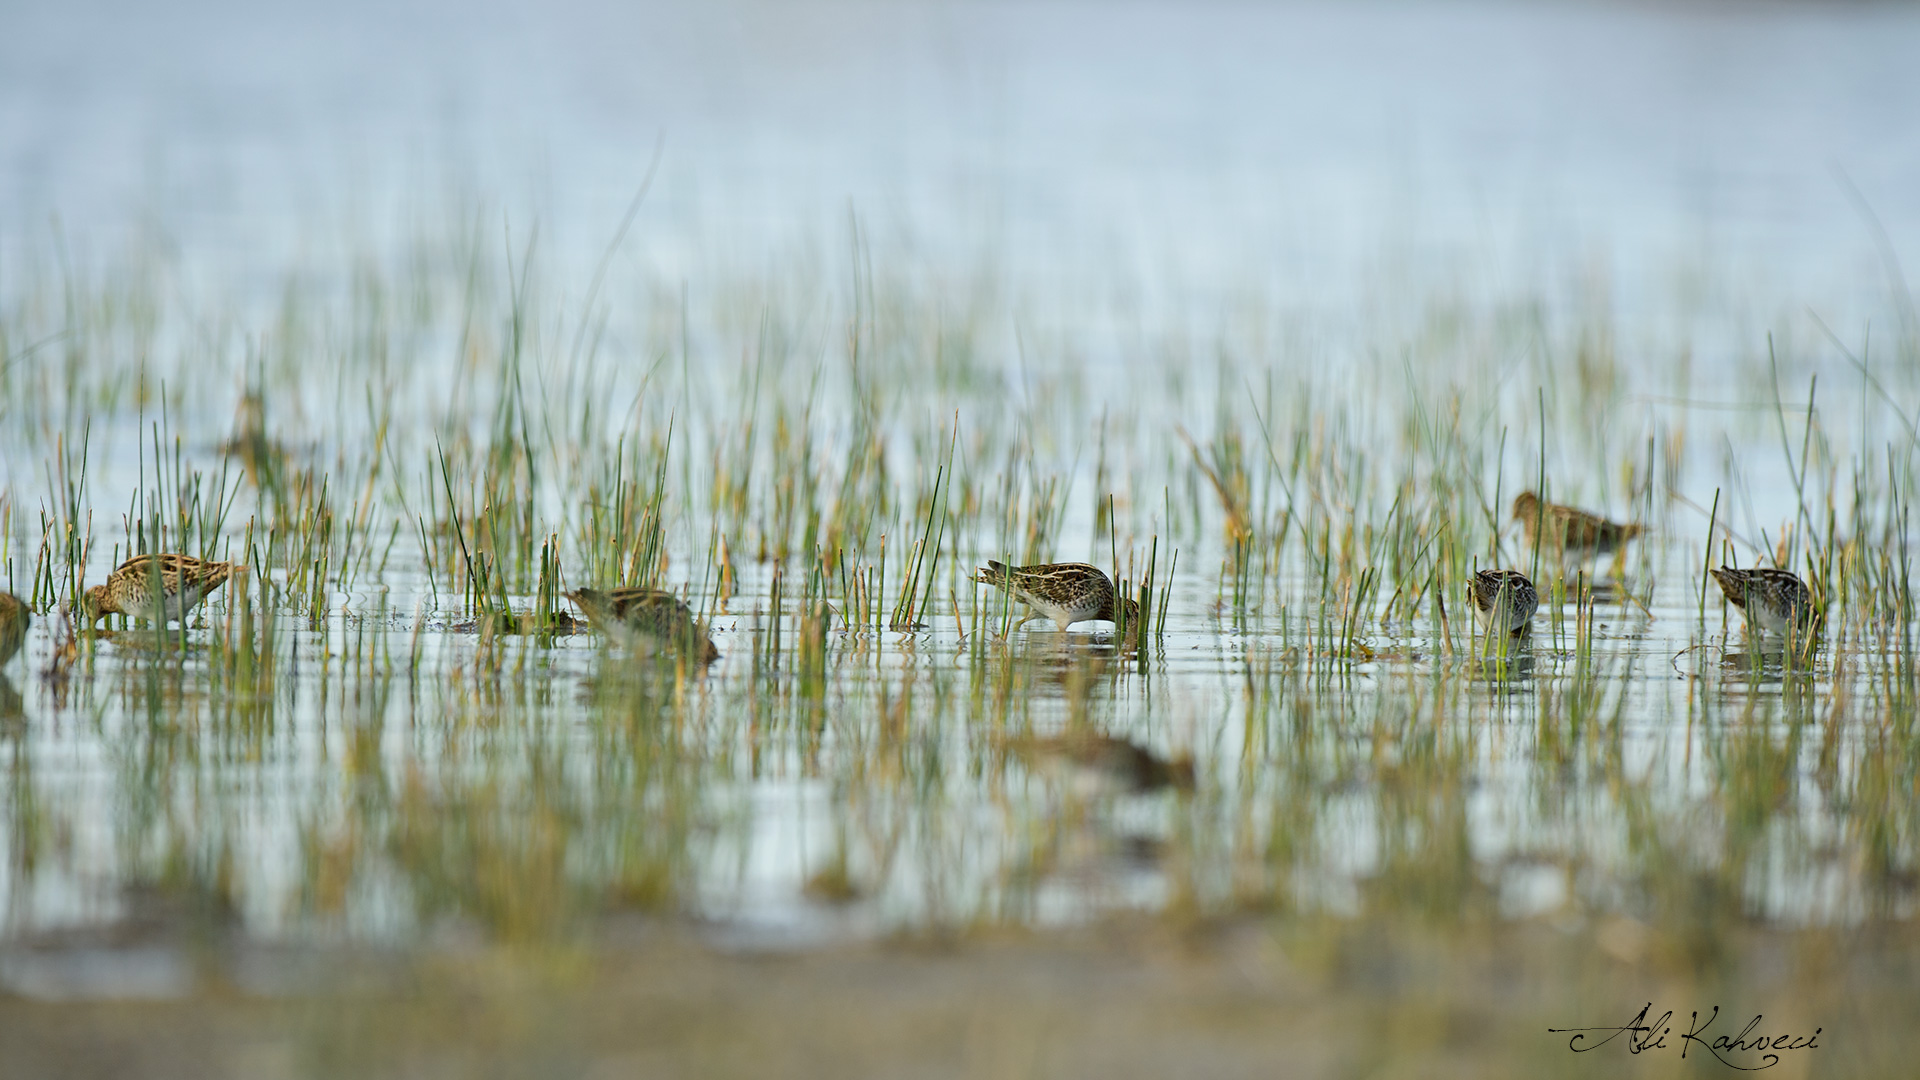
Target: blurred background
(1157, 160)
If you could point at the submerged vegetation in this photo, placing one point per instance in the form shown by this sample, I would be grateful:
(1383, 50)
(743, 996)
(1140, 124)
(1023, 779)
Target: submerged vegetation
(394, 721)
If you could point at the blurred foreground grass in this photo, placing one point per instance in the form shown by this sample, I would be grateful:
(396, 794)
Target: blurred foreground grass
(1128, 997)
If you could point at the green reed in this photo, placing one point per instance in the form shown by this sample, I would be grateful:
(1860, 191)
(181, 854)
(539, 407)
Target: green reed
(816, 463)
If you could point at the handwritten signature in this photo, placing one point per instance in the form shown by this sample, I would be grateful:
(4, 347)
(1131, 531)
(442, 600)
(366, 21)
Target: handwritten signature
(1729, 1050)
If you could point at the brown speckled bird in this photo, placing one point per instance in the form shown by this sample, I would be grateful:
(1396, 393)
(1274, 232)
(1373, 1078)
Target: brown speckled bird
(1504, 599)
(1067, 593)
(15, 617)
(1569, 530)
(1770, 599)
(647, 620)
(182, 581)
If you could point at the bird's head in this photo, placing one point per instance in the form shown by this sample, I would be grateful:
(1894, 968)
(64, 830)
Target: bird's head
(97, 604)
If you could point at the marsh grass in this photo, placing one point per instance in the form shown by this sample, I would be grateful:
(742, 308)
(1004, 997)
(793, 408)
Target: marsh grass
(816, 464)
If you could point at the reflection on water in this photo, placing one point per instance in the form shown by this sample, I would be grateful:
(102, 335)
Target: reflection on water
(524, 786)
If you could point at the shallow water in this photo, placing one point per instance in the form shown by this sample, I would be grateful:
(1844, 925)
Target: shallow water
(1385, 266)
(529, 790)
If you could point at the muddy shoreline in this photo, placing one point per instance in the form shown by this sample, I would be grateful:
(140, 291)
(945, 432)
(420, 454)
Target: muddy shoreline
(1237, 997)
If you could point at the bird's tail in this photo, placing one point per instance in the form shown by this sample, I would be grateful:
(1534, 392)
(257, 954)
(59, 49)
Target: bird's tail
(1731, 585)
(994, 573)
